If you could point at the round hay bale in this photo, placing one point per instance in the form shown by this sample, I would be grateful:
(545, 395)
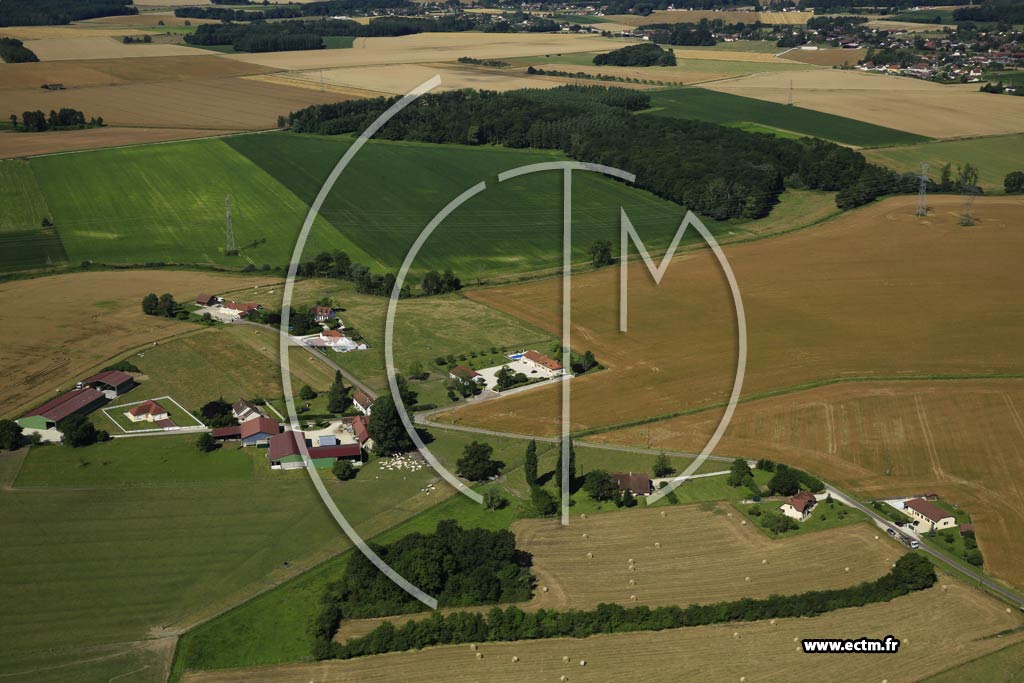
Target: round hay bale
(633, 598)
(1008, 611)
(545, 589)
(583, 662)
(473, 647)
(565, 659)
(657, 544)
(632, 568)
(664, 514)
(590, 556)
(583, 516)
(631, 560)
(747, 579)
(585, 535)
(743, 523)
(846, 569)
(876, 537)
(764, 561)
(945, 588)
(736, 634)
(564, 678)
(729, 514)
(632, 582)
(479, 655)
(743, 679)
(514, 659)
(772, 622)
(795, 639)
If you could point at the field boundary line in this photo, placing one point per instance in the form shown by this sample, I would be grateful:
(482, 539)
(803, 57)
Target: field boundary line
(152, 144)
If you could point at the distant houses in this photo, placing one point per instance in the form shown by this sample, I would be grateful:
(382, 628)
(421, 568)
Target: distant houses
(362, 402)
(147, 411)
(799, 506)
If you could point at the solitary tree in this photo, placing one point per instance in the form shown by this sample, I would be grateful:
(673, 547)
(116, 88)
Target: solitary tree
(1014, 182)
(206, 442)
(530, 465)
(386, 428)
(543, 502)
(600, 486)
(662, 466)
(166, 305)
(150, 304)
(494, 500)
(601, 253)
(344, 470)
(10, 435)
(475, 463)
(306, 393)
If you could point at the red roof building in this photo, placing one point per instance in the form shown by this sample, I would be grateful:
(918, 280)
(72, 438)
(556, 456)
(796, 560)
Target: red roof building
(258, 429)
(464, 374)
(544, 361)
(363, 402)
(206, 299)
(232, 432)
(75, 401)
(147, 409)
(112, 380)
(921, 509)
(637, 483)
(361, 429)
(802, 501)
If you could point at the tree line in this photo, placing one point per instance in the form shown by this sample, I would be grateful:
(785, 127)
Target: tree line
(1001, 11)
(52, 12)
(64, 119)
(714, 170)
(910, 573)
(13, 51)
(460, 567)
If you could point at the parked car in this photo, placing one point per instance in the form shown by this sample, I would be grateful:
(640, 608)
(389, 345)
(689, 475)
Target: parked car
(892, 532)
(914, 544)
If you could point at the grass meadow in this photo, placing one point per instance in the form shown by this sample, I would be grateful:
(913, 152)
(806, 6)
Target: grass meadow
(994, 156)
(24, 242)
(725, 108)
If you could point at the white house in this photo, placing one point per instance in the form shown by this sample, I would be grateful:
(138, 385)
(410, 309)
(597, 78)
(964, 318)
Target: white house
(538, 361)
(339, 341)
(239, 310)
(243, 410)
(147, 411)
(363, 403)
(466, 375)
(323, 313)
(929, 514)
(799, 507)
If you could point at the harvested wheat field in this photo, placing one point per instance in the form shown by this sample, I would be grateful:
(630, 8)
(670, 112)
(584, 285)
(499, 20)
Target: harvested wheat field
(693, 16)
(398, 79)
(88, 47)
(27, 33)
(910, 104)
(938, 630)
(92, 72)
(706, 555)
(88, 319)
(147, 19)
(963, 439)
(433, 47)
(198, 103)
(13, 145)
(874, 293)
(835, 57)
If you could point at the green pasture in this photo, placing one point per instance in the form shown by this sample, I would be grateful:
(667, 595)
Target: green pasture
(24, 243)
(1000, 666)
(166, 203)
(994, 156)
(923, 16)
(724, 108)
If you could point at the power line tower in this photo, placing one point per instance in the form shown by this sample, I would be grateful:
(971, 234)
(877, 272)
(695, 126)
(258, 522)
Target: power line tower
(922, 190)
(231, 248)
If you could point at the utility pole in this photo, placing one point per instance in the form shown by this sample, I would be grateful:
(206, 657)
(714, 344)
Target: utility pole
(922, 190)
(231, 248)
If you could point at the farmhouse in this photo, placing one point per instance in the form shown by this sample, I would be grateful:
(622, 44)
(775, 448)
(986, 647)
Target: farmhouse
(206, 299)
(323, 313)
(339, 341)
(930, 514)
(147, 411)
(258, 431)
(799, 507)
(239, 310)
(363, 403)
(539, 361)
(284, 452)
(46, 416)
(112, 383)
(461, 373)
(244, 411)
(637, 483)
(361, 430)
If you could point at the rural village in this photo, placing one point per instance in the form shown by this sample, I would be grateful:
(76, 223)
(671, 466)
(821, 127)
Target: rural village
(389, 340)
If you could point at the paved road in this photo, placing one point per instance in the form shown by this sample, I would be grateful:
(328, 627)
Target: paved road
(972, 574)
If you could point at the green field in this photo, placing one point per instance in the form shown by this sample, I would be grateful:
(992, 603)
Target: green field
(724, 108)
(338, 42)
(166, 203)
(923, 16)
(392, 189)
(994, 157)
(1014, 78)
(1002, 666)
(152, 533)
(23, 242)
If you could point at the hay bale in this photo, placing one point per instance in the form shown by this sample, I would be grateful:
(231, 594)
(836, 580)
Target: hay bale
(590, 556)
(479, 655)
(583, 662)
(564, 678)
(743, 679)
(657, 544)
(729, 514)
(772, 622)
(473, 647)
(795, 639)
(632, 582)
(846, 569)
(747, 579)
(514, 659)
(565, 659)
(632, 568)
(545, 589)
(632, 598)
(585, 535)
(736, 634)
(945, 588)
(743, 523)
(764, 561)
(876, 537)
(583, 516)
(631, 560)
(664, 514)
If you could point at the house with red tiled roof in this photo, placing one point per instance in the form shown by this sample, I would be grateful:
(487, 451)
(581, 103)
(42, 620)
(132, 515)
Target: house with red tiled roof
(637, 483)
(362, 402)
(147, 411)
(361, 430)
(929, 514)
(539, 361)
(799, 507)
(323, 313)
(284, 452)
(461, 373)
(258, 431)
(239, 310)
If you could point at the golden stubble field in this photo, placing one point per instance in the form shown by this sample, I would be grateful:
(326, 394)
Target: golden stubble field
(55, 329)
(877, 292)
(705, 555)
(833, 57)
(91, 72)
(938, 629)
(79, 45)
(914, 105)
(963, 439)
